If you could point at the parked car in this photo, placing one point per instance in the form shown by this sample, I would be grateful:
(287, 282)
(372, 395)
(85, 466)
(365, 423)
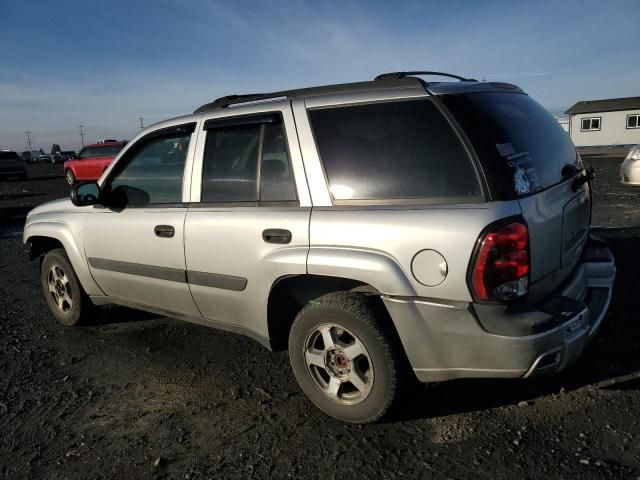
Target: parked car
(11, 165)
(32, 156)
(92, 161)
(45, 158)
(630, 168)
(69, 155)
(381, 231)
(57, 157)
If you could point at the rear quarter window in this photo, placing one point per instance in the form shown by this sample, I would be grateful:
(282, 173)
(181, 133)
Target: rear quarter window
(400, 150)
(9, 156)
(521, 147)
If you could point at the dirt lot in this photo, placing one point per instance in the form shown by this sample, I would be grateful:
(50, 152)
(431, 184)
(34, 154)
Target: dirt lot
(111, 399)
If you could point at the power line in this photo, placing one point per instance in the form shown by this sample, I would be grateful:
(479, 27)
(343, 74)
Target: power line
(28, 139)
(81, 133)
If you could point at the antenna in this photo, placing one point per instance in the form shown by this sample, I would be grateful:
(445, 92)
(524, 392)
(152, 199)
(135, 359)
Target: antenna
(28, 139)
(81, 133)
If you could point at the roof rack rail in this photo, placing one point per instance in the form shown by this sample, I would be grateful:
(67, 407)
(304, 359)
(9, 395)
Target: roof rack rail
(397, 75)
(388, 80)
(224, 102)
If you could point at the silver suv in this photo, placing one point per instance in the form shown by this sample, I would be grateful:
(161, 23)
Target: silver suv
(381, 231)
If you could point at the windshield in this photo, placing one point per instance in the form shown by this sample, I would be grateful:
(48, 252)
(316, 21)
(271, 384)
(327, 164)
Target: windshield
(102, 151)
(9, 156)
(521, 147)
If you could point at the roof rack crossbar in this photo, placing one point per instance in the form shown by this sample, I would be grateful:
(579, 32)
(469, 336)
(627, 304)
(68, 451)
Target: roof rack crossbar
(386, 76)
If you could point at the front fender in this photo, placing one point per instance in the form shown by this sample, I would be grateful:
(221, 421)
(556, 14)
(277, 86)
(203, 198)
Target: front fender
(60, 231)
(371, 267)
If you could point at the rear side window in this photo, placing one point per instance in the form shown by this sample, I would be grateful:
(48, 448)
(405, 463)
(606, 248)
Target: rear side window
(8, 156)
(107, 151)
(392, 150)
(247, 163)
(521, 147)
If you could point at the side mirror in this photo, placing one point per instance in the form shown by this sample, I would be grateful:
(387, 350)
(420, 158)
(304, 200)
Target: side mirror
(83, 194)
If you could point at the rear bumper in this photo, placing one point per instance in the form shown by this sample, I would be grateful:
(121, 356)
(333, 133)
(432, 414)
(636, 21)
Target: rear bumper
(451, 340)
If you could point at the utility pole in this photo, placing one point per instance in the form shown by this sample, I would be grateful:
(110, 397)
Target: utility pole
(141, 124)
(81, 133)
(28, 139)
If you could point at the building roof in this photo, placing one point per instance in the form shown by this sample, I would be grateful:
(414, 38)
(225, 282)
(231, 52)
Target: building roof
(608, 105)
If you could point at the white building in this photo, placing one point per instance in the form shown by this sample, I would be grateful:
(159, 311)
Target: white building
(605, 122)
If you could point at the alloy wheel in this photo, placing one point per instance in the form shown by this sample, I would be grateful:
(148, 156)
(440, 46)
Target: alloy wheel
(339, 364)
(59, 289)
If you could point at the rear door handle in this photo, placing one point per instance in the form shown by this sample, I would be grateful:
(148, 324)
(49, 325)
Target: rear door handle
(276, 235)
(164, 231)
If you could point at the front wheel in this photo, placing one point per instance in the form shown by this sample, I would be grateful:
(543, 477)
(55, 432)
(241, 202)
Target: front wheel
(70, 177)
(342, 359)
(62, 290)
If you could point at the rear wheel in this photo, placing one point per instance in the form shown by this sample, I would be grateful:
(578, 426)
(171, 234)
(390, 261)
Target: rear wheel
(62, 290)
(342, 359)
(69, 176)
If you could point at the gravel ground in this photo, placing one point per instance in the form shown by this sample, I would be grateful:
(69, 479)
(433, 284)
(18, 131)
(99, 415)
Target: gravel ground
(138, 396)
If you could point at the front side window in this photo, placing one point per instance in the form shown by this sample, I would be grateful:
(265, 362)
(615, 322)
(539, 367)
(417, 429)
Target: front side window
(96, 152)
(633, 121)
(590, 124)
(401, 150)
(247, 163)
(152, 172)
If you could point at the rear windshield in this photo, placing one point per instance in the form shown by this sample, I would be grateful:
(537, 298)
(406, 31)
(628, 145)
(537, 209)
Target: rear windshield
(521, 147)
(401, 150)
(9, 156)
(106, 151)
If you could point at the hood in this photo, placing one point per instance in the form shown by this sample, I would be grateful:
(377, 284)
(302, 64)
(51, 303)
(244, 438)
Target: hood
(60, 205)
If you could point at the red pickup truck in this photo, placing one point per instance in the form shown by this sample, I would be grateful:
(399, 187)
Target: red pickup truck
(92, 161)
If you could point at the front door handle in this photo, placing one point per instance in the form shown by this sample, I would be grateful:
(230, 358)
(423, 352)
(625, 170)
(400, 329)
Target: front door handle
(164, 231)
(276, 235)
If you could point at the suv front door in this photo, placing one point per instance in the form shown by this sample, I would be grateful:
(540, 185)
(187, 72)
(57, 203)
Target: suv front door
(134, 245)
(249, 222)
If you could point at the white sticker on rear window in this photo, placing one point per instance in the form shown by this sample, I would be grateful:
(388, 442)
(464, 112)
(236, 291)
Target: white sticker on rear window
(525, 176)
(521, 181)
(505, 149)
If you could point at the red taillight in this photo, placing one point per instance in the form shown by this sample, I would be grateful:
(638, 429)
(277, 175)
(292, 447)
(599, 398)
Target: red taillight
(513, 265)
(501, 266)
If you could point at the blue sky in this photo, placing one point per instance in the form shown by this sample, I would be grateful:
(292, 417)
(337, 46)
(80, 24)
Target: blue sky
(104, 64)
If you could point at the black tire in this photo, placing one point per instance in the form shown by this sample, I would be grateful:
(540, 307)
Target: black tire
(69, 176)
(359, 316)
(78, 307)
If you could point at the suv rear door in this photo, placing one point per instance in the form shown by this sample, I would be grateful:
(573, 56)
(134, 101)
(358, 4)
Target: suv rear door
(248, 222)
(527, 156)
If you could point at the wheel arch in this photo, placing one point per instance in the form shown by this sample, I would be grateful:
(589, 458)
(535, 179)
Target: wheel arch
(289, 294)
(41, 237)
